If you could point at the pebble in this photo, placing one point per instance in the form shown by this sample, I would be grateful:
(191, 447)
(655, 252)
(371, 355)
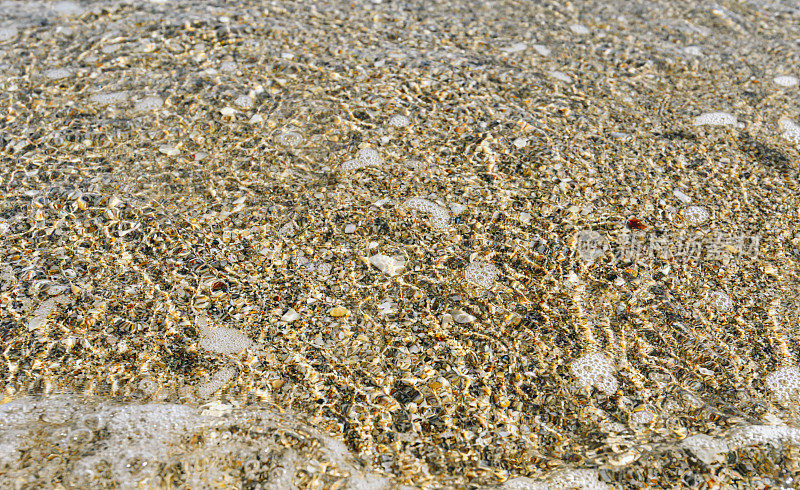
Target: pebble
(339, 312)
(290, 315)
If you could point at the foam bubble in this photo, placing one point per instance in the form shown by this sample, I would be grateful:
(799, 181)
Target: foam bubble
(148, 104)
(716, 119)
(482, 274)
(791, 131)
(366, 157)
(43, 312)
(595, 370)
(67, 8)
(57, 73)
(720, 301)
(692, 51)
(785, 81)
(695, 215)
(706, 448)
(109, 98)
(399, 121)
(440, 216)
(224, 340)
(758, 435)
(289, 138)
(8, 33)
(244, 101)
(580, 479)
(784, 383)
(216, 382)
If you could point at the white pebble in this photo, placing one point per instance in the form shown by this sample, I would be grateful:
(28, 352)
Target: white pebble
(228, 111)
(525, 218)
(290, 315)
(257, 118)
(579, 29)
(559, 75)
(520, 142)
(542, 49)
(388, 265)
(169, 150)
(515, 48)
(785, 81)
(463, 317)
(350, 229)
(681, 196)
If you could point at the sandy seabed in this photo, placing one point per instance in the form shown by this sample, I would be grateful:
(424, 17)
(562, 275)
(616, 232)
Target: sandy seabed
(399, 244)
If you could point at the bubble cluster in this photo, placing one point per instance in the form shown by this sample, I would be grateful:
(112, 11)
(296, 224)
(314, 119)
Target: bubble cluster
(109, 98)
(595, 370)
(399, 121)
(695, 215)
(8, 33)
(148, 104)
(217, 381)
(57, 73)
(244, 101)
(785, 81)
(707, 449)
(366, 157)
(791, 130)
(224, 340)
(583, 479)
(482, 274)
(720, 301)
(289, 138)
(784, 383)
(439, 216)
(716, 119)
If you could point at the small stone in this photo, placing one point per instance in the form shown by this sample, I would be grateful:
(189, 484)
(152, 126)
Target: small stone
(388, 265)
(290, 315)
(339, 312)
(169, 150)
(463, 317)
(257, 118)
(350, 229)
(228, 111)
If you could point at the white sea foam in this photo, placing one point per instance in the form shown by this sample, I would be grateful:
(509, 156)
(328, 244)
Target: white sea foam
(716, 119)
(785, 81)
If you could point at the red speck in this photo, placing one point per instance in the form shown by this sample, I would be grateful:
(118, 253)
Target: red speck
(636, 224)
